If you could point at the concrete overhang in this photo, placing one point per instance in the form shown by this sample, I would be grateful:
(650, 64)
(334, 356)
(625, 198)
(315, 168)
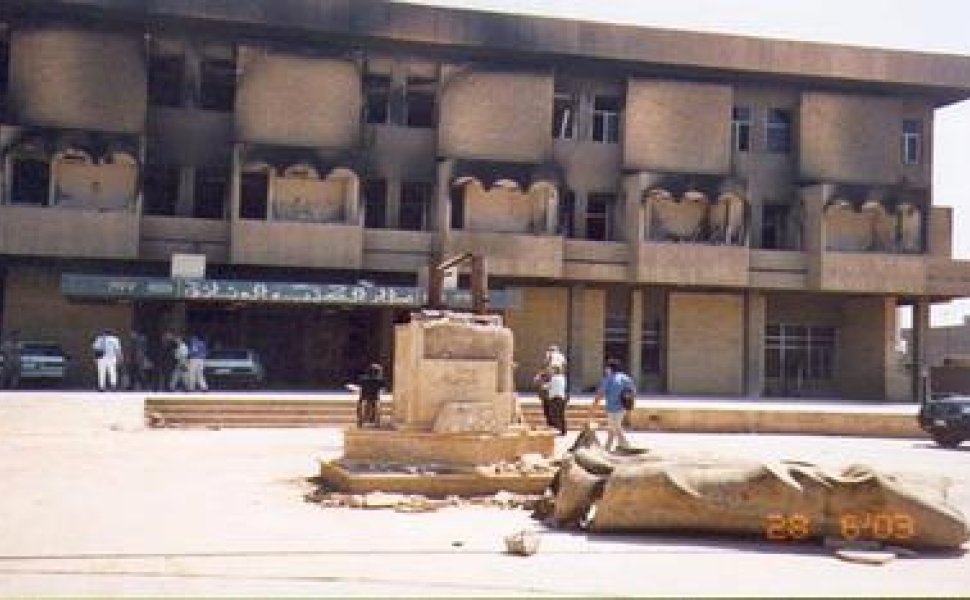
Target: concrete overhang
(945, 78)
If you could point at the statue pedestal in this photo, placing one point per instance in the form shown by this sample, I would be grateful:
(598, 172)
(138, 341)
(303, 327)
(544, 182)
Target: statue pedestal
(425, 447)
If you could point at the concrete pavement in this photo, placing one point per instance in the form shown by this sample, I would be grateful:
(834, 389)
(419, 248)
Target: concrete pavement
(94, 504)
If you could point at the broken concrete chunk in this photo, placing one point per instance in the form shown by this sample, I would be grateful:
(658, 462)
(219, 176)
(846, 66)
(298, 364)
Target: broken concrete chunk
(522, 543)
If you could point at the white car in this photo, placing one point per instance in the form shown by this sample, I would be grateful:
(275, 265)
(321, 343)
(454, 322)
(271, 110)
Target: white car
(237, 367)
(42, 362)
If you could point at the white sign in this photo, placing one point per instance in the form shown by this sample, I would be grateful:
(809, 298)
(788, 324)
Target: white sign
(188, 266)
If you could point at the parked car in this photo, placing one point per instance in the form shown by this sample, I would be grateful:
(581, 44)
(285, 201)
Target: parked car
(946, 419)
(42, 362)
(234, 368)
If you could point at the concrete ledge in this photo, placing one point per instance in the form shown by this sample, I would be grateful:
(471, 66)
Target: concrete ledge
(449, 448)
(342, 476)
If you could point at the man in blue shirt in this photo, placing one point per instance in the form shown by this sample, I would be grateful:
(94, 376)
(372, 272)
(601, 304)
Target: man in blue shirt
(614, 381)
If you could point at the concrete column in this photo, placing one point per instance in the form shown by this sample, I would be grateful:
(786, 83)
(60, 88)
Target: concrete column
(186, 199)
(635, 349)
(921, 325)
(813, 230)
(756, 315)
(394, 202)
(442, 207)
(235, 183)
(352, 201)
(633, 186)
(574, 337)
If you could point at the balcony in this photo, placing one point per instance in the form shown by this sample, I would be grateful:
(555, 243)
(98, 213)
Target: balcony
(596, 261)
(948, 278)
(397, 250)
(297, 244)
(870, 272)
(68, 232)
(163, 236)
(693, 264)
(512, 254)
(779, 269)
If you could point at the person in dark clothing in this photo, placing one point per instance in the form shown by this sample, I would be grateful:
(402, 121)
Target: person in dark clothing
(139, 364)
(167, 362)
(369, 385)
(10, 375)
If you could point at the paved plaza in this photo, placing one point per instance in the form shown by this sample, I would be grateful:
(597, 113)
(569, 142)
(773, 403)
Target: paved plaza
(92, 503)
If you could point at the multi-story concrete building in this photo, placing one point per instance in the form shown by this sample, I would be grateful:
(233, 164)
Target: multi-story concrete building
(726, 215)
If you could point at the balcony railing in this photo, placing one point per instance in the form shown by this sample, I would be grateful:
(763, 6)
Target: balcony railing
(68, 232)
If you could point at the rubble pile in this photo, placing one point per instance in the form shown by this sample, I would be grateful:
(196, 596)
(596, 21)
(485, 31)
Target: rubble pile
(416, 503)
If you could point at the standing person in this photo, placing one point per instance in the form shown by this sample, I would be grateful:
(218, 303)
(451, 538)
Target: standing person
(557, 399)
(167, 362)
(139, 364)
(555, 358)
(180, 372)
(369, 385)
(542, 382)
(614, 382)
(197, 352)
(107, 355)
(10, 349)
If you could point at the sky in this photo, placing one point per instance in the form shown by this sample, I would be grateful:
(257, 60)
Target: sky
(927, 25)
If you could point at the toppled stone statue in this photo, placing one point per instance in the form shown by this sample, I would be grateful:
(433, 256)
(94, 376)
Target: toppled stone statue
(784, 501)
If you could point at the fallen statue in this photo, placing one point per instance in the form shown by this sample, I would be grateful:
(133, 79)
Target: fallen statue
(784, 501)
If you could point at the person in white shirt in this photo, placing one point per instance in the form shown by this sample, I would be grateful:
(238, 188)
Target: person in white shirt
(555, 358)
(107, 353)
(557, 399)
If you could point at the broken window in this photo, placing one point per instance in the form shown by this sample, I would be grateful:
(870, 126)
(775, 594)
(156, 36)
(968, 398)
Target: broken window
(211, 191)
(606, 119)
(217, 88)
(4, 60)
(375, 204)
(377, 99)
(166, 80)
(161, 189)
(650, 347)
(564, 116)
(253, 193)
(741, 128)
(567, 214)
(30, 182)
(419, 102)
(415, 202)
(778, 131)
(912, 143)
(599, 207)
(774, 227)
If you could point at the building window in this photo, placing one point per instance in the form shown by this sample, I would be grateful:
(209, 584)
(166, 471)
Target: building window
(778, 131)
(774, 227)
(606, 119)
(912, 148)
(650, 345)
(567, 214)
(377, 98)
(211, 190)
(799, 355)
(564, 116)
(217, 90)
(253, 195)
(616, 326)
(161, 190)
(741, 128)
(375, 204)
(419, 102)
(166, 80)
(30, 182)
(599, 207)
(4, 60)
(415, 201)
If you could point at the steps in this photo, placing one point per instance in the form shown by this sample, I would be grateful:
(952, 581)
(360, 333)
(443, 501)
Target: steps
(225, 411)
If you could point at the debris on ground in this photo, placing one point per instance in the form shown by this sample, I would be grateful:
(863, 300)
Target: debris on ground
(522, 543)
(417, 503)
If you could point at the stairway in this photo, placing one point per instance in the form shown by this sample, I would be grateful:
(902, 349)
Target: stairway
(226, 411)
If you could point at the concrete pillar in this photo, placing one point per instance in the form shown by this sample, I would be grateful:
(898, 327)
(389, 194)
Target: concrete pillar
(186, 199)
(813, 230)
(921, 325)
(756, 314)
(352, 201)
(574, 337)
(394, 202)
(635, 349)
(633, 186)
(443, 204)
(235, 183)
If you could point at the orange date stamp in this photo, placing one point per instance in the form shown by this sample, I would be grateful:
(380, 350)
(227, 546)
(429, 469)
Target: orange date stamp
(862, 525)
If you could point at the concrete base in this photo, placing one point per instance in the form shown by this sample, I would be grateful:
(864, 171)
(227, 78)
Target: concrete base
(423, 447)
(361, 477)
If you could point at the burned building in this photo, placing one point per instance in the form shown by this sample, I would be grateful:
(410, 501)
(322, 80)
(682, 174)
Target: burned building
(726, 215)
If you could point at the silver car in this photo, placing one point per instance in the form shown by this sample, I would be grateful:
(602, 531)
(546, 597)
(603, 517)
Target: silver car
(234, 368)
(42, 362)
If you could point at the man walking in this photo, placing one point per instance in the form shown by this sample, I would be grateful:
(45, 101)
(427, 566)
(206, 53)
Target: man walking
(197, 353)
(614, 382)
(107, 353)
(10, 349)
(139, 365)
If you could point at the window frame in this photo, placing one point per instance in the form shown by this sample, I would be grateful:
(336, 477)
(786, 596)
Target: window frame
(778, 132)
(741, 128)
(607, 120)
(912, 141)
(564, 116)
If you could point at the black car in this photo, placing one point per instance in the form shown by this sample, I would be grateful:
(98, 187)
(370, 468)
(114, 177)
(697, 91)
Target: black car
(946, 419)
